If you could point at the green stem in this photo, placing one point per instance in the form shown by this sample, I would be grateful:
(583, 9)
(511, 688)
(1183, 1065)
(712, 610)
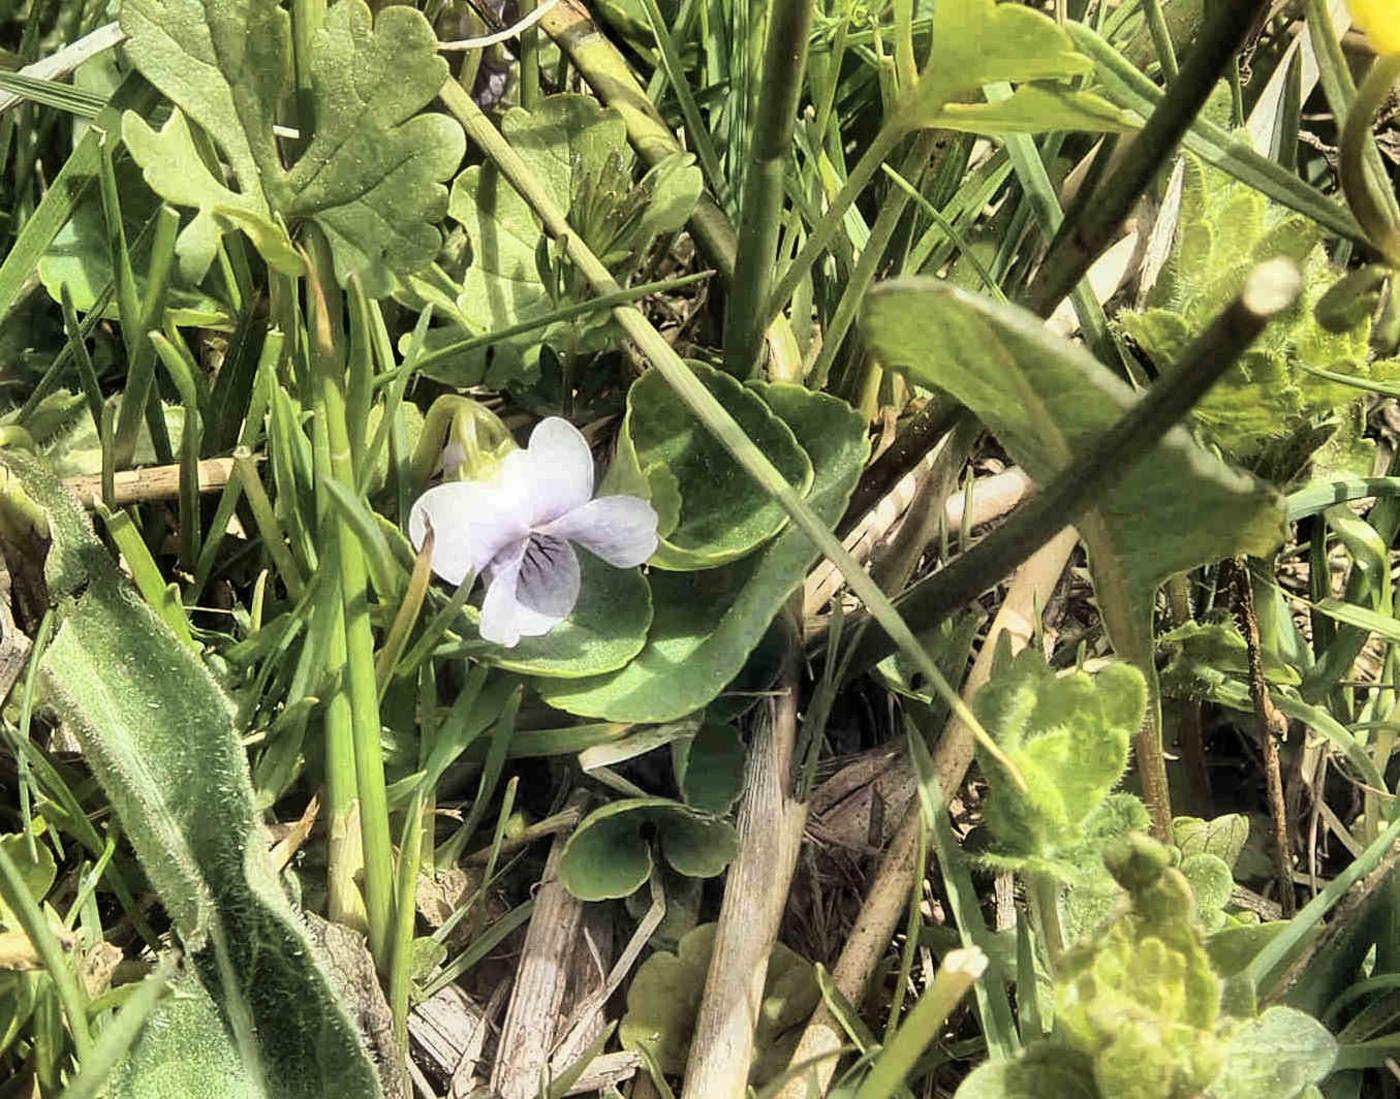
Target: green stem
(1082, 241)
(246, 470)
(1044, 895)
(359, 637)
(712, 414)
(760, 219)
(1161, 38)
(892, 1068)
(529, 60)
(1360, 185)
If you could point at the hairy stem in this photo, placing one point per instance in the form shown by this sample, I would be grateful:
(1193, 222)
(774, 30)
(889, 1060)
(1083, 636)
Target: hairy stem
(1082, 240)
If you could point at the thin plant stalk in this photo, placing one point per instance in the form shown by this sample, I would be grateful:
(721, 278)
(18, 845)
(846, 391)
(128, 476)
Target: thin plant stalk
(1361, 187)
(1161, 38)
(825, 229)
(713, 415)
(360, 677)
(784, 62)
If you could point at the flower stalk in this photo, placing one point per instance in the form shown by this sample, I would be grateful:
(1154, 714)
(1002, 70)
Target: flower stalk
(1361, 187)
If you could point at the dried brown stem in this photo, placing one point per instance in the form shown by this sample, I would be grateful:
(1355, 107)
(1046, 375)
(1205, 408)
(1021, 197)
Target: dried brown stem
(142, 486)
(770, 825)
(888, 897)
(1270, 727)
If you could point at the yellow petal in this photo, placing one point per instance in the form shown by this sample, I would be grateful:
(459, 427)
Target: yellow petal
(1380, 19)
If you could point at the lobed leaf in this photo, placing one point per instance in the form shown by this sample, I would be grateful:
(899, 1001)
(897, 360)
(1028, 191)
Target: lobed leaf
(371, 174)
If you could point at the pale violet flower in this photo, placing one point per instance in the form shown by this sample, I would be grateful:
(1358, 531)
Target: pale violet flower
(519, 529)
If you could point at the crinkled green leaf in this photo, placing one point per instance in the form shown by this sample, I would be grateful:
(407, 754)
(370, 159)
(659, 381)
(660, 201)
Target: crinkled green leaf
(1034, 108)
(157, 732)
(1201, 655)
(1140, 997)
(1211, 884)
(711, 511)
(1275, 1056)
(578, 152)
(1092, 894)
(609, 856)
(1068, 735)
(1046, 399)
(706, 623)
(1224, 230)
(664, 997)
(1223, 836)
(710, 767)
(371, 175)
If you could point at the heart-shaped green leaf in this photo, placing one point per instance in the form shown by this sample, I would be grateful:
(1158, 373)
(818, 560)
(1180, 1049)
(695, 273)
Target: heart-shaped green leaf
(664, 997)
(707, 623)
(609, 855)
(157, 732)
(711, 511)
(1046, 399)
(370, 175)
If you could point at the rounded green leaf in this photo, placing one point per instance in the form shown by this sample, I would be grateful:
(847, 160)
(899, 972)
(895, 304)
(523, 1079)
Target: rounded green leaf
(718, 513)
(665, 995)
(710, 767)
(707, 623)
(609, 854)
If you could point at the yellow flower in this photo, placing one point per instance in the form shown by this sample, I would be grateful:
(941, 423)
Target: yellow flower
(1380, 19)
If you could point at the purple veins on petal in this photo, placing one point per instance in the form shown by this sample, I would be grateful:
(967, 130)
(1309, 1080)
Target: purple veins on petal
(518, 532)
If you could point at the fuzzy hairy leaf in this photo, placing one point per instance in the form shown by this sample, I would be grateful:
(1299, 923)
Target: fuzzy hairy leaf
(1140, 997)
(157, 732)
(1225, 228)
(1068, 735)
(664, 997)
(1046, 399)
(371, 174)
